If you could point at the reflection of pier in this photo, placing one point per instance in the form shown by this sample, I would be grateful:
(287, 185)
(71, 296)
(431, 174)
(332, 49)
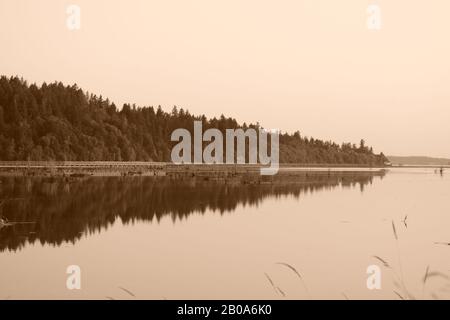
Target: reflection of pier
(247, 173)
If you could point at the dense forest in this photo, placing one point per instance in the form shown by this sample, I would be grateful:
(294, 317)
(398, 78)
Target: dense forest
(58, 122)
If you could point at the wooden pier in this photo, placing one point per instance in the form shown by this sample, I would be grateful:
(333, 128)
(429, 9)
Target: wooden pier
(142, 168)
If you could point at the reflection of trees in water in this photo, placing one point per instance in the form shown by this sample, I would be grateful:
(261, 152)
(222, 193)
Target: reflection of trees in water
(64, 209)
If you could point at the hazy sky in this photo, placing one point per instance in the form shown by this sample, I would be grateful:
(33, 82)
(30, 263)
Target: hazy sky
(311, 65)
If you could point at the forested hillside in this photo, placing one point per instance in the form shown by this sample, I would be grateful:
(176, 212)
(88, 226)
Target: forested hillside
(58, 122)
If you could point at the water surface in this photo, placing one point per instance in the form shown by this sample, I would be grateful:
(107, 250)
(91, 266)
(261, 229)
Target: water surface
(194, 239)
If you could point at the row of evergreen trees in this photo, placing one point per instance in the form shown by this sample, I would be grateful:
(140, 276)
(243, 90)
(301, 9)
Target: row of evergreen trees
(57, 122)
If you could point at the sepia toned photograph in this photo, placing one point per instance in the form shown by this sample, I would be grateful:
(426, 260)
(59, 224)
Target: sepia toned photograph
(240, 150)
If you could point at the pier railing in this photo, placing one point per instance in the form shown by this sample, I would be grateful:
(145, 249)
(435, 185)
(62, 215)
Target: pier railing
(79, 164)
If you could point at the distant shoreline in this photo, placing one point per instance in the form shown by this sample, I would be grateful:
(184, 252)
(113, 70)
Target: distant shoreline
(418, 161)
(425, 166)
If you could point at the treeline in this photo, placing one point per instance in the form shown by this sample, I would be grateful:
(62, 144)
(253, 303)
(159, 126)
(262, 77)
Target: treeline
(58, 122)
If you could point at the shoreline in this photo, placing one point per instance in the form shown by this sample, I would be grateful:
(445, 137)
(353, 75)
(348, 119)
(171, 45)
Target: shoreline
(80, 169)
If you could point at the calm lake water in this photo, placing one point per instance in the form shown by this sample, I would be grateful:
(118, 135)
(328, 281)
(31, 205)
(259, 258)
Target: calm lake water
(191, 239)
